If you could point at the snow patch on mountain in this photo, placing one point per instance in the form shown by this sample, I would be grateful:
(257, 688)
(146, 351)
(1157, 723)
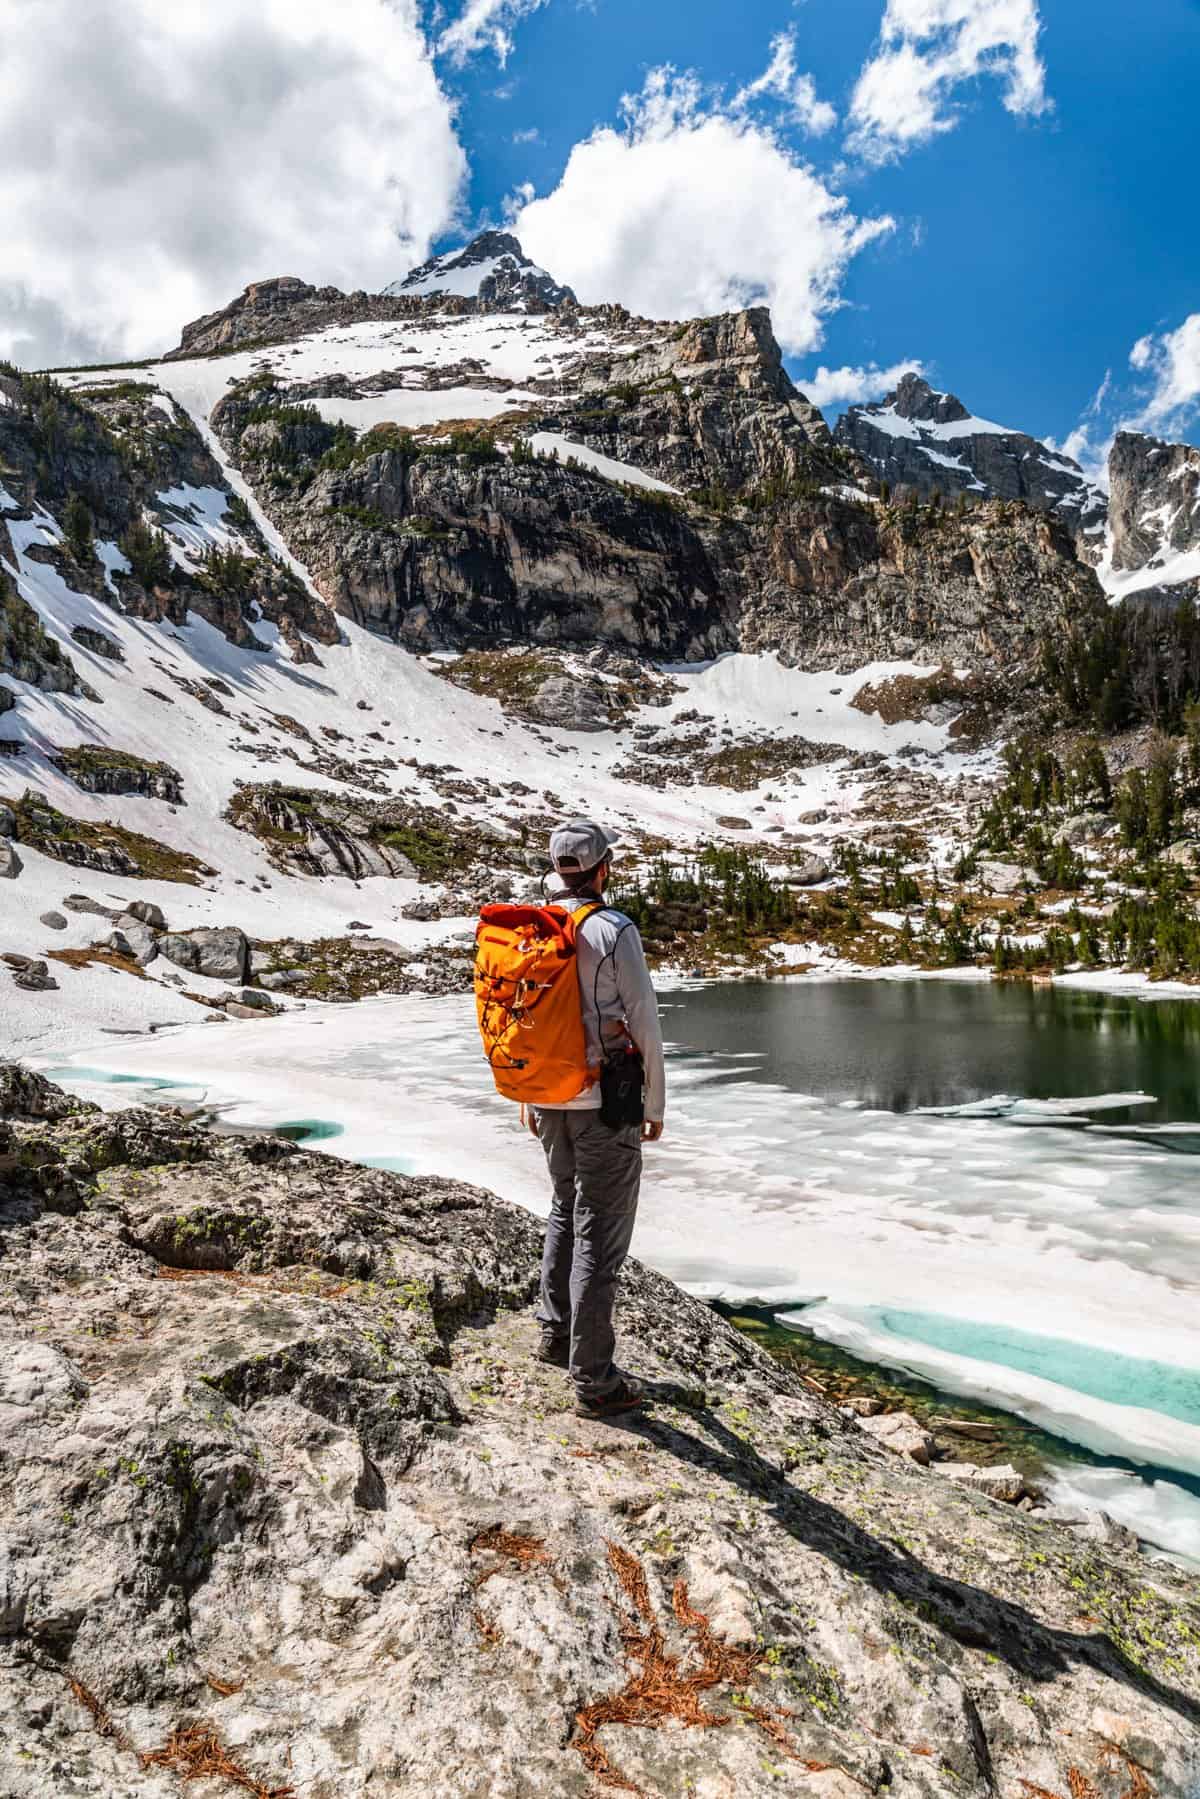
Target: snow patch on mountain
(554, 444)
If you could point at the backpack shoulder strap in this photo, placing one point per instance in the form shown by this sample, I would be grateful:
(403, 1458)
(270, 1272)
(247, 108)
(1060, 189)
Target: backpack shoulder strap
(580, 917)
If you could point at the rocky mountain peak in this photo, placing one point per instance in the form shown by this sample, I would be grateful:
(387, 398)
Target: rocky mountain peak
(1154, 508)
(928, 442)
(914, 398)
(493, 268)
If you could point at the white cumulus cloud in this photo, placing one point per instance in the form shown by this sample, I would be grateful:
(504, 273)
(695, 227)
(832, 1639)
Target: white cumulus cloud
(855, 386)
(484, 25)
(927, 50)
(155, 159)
(696, 207)
(1172, 361)
(783, 80)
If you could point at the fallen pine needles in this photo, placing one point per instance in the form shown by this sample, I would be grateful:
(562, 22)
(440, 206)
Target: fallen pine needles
(659, 1685)
(512, 1548)
(102, 1723)
(196, 1752)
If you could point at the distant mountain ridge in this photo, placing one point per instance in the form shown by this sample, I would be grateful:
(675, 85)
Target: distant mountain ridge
(927, 441)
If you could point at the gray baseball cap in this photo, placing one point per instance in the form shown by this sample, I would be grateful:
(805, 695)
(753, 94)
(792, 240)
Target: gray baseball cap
(579, 845)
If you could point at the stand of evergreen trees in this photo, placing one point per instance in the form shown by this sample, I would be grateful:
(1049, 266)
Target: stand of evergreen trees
(1133, 664)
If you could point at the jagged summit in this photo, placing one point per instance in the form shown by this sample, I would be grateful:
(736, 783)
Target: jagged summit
(915, 399)
(492, 267)
(927, 441)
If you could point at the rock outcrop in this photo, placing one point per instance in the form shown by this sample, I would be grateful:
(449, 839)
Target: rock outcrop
(1154, 504)
(707, 405)
(27, 652)
(926, 441)
(311, 831)
(99, 769)
(454, 543)
(843, 584)
(286, 1498)
(221, 953)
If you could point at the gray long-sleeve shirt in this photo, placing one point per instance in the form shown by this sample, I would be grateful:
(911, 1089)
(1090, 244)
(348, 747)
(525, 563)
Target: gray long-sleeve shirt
(618, 998)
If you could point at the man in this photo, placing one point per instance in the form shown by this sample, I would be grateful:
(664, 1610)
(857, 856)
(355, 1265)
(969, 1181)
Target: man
(596, 1169)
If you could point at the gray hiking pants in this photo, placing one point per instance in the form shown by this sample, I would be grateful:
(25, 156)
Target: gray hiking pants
(597, 1173)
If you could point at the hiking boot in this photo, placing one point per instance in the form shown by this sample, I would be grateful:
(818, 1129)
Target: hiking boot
(556, 1350)
(629, 1396)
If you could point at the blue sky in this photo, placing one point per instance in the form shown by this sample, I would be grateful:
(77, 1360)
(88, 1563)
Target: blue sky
(1030, 253)
(1001, 191)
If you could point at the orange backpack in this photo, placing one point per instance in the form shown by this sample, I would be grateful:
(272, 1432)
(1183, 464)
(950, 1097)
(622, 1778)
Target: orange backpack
(527, 1002)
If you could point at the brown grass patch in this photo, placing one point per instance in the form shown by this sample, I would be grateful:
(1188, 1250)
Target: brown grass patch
(905, 699)
(83, 958)
(196, 1752)
(659, 1686)
(224, 1689)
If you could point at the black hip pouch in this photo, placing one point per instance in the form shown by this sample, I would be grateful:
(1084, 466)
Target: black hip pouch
(622, 1080)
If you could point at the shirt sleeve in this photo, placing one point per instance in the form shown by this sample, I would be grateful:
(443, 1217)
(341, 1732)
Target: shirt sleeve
(640, 1005)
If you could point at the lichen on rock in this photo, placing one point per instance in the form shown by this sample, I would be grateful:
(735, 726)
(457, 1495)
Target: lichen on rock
(280, 1476)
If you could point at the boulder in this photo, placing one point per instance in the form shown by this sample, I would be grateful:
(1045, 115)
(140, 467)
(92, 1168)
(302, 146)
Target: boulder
(899, 1431)
(966, 1427)
(729, 822)
(221, 953)
(255, 999)
(10, 863)
(1183, 854)
(864, 1406)
(809, 872)
(31, 975)
(338, 1476)
(133, 938)
(8, 821)
(234, 1008)
(148, 913)
(1005, 878)
(1083, 827)
(53, 921)
(421, 911)
(281, 978)
(79, 902)
(1003, 1482)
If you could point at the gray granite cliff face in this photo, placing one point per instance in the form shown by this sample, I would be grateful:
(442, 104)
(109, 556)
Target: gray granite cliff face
(1154, 509)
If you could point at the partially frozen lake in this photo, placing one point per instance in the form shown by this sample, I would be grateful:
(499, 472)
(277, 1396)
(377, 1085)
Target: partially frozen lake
(994, 1186)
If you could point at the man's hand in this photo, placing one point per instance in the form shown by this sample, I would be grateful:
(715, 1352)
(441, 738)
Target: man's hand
(531, 1121)
(652, 1130)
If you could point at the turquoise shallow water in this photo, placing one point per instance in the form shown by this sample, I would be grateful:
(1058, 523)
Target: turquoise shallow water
(1099, 1373)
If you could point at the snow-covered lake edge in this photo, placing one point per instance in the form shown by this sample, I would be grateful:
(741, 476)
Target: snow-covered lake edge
(400, 1082)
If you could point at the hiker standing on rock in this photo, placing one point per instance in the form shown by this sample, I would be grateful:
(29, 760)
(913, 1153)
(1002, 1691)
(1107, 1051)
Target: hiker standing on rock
(569, 1021)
